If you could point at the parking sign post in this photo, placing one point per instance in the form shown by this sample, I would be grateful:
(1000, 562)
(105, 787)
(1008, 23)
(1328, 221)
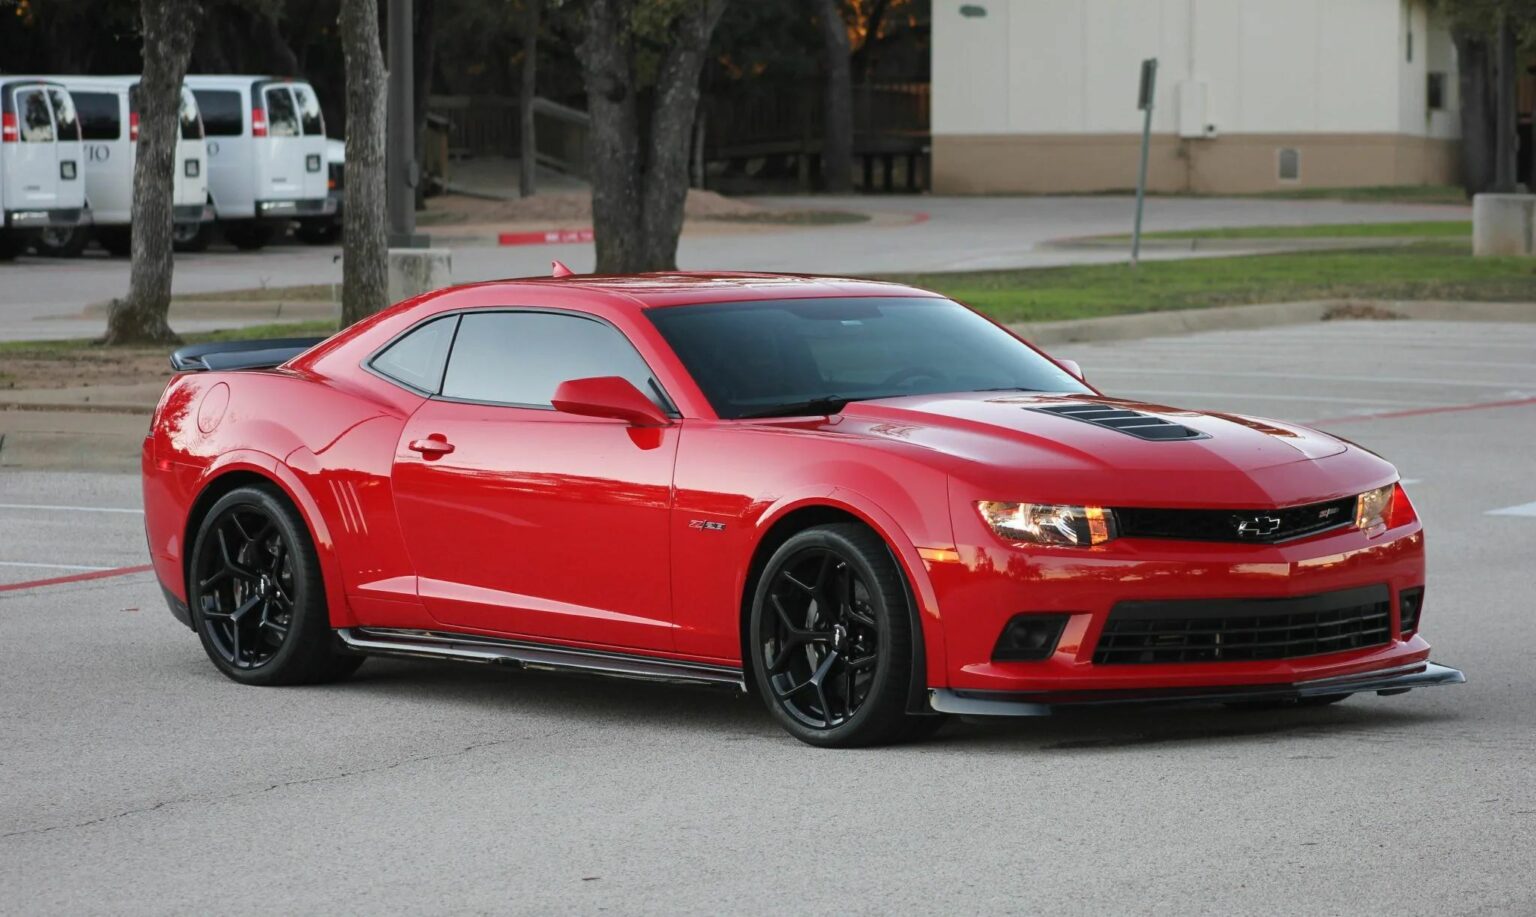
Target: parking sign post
(1144, 102)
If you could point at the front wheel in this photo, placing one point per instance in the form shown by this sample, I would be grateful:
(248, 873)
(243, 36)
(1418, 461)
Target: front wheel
(257, 599)
(62, 241)
(831, 640)
(191, 237)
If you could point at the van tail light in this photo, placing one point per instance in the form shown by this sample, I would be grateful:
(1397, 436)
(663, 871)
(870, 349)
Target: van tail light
(9, 133)
(258, 122)
(133, 126)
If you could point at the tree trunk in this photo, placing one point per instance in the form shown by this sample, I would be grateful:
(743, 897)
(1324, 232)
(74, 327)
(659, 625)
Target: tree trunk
(837, 135)
(527, 177)
(426, 48)
(169, 26)
(1475, 84)
(640, 180)
(365, 243)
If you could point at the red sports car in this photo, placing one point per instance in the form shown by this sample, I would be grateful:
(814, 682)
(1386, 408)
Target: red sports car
(867, 503)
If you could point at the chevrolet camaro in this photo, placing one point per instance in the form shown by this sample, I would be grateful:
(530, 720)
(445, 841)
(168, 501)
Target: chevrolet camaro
(866, 503)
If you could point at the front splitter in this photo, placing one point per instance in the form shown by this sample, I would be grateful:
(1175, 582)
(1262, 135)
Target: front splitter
(1045, 703)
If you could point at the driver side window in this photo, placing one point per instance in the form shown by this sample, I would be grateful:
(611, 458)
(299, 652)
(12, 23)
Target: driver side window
(520, 358)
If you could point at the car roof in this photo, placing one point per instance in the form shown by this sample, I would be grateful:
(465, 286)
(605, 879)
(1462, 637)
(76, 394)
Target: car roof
(679, 288)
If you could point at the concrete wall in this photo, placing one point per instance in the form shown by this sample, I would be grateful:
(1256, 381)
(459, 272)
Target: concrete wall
(1048, 86)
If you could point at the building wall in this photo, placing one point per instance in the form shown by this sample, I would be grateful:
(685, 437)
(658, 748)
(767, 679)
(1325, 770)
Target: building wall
(1039, 95)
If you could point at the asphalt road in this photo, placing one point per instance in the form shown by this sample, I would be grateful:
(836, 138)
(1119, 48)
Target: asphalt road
(134, 779)
(44, 298)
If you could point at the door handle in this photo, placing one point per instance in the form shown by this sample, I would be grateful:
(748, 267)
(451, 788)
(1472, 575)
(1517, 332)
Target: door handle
(432, 446)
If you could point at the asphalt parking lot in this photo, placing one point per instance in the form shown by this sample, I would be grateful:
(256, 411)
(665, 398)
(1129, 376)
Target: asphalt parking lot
(134, 778)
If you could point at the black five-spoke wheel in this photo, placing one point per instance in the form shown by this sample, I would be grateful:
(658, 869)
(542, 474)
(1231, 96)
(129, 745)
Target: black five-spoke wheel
(831, 639)
(245, 587)
(256, 594)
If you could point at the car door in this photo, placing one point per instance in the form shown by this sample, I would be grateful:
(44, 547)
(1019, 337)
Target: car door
(32, 170)
(526, 521)
(231, 174)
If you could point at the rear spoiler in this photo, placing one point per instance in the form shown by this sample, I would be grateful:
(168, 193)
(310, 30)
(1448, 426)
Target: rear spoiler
(228, 355)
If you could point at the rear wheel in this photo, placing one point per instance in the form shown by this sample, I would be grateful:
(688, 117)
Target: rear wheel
(319, 232)
(257, 599)
(248, 236)
(117, 240)
(191, 237)
(62, 242)
(831, 640)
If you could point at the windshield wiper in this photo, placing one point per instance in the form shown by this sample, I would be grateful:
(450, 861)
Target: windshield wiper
(826, 404)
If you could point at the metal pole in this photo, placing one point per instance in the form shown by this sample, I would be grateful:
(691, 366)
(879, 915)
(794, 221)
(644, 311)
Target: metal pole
(400, 143)
(1148, 90)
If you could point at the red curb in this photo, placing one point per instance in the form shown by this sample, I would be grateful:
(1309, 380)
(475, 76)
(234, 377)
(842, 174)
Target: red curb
(545, 237)
(75, 578)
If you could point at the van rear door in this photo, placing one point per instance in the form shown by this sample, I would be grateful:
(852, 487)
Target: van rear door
(312, 126)
(280, 157)
(67, 148)
(32, 166)
(191, 189)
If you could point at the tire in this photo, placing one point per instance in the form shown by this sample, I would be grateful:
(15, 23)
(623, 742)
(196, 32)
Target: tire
(62, 243)
(808, 664)
(117, 240)
(191, 237)
(256, 594)
(248, 237)
(319, 232)
(1320, 700)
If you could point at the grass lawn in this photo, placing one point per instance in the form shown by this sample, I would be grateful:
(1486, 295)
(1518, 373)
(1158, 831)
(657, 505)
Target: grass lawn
(1427, 229)
(313, 292)
(1425, 270)
(1406, 194)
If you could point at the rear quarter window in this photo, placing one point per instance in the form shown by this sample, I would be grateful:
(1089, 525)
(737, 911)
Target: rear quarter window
(101, 115)
(310, 119)
(36, 120)
(223, 113)
(191, 123)
(282, 117)
(416, 360)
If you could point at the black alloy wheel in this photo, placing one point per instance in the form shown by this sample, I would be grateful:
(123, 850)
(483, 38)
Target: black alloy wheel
(831, 639)
(256, 593)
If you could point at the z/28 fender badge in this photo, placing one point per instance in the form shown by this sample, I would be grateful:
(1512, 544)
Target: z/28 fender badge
(704, 525)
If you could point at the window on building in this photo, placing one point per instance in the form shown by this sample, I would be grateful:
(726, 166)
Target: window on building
(1434, 92)
(1290, 164)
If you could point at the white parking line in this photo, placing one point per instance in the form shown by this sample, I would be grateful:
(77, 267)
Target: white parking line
(1524, 509)
(1257, 374)
(17, 563)
(55, 508)
(1234, 396)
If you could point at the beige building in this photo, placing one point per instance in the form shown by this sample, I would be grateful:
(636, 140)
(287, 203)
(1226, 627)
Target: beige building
(1252, 95)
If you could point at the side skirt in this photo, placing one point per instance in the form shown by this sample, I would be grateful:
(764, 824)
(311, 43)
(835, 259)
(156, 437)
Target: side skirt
(422, 644)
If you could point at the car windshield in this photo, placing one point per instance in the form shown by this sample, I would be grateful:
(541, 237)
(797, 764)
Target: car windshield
(812, 356)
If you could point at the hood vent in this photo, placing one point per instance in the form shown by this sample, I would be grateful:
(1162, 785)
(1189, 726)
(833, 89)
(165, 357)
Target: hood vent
(1134, 423)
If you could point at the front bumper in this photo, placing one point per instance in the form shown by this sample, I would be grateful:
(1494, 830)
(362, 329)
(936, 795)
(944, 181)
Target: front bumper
(1004, 703)
(295, 209)
(59, 218)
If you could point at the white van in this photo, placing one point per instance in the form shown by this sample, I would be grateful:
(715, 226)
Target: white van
(266, 154)
(109, 126)
(42, 183)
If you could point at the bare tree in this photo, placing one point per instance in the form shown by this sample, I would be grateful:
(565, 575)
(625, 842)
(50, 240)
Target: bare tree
(640, 158)
(527, 178)
(365, 244)
(168, 27)
(837, 137)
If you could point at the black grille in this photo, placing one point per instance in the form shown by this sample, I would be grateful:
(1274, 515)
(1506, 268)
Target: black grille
(1409, 603)
(1261, 526)
(1135, 423)
(1245, 630)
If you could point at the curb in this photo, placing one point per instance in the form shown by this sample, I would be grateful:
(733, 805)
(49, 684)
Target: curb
(1225, 318)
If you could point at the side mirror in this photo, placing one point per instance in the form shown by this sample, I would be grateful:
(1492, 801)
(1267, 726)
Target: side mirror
(1072, 367)
(608, 396)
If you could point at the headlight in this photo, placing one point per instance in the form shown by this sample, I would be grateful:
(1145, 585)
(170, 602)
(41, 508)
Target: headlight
(1047, 523)
(1382, 508)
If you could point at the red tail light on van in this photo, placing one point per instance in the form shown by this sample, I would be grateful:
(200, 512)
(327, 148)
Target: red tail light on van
(133, 126)
(258, 121)
(9, 132)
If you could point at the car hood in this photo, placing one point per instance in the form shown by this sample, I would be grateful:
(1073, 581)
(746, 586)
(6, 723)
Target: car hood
(1015, 443)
